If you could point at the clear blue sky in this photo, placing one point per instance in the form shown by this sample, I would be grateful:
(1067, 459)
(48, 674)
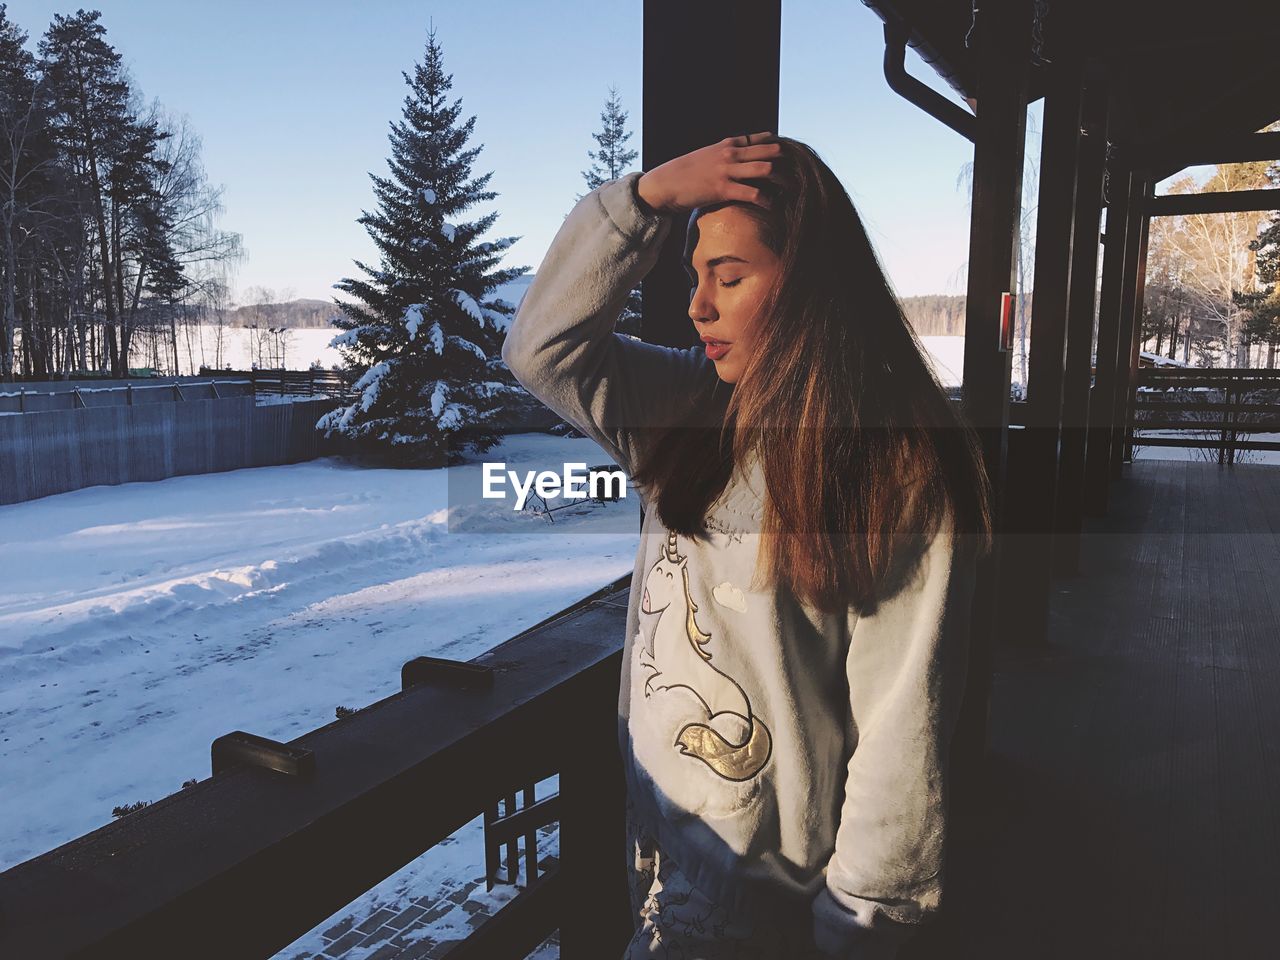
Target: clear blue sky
(292, 101)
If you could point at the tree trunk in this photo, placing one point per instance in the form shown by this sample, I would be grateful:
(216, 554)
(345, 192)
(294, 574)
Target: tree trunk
(10, 297)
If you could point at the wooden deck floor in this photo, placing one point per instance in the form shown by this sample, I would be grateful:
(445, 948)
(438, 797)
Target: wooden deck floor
(1135, 762)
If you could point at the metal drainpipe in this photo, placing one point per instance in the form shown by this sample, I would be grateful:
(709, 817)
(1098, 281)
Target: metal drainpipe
(913, 90)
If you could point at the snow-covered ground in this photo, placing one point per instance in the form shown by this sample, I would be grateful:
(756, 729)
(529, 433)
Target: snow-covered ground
(139, 622)
(947, 355)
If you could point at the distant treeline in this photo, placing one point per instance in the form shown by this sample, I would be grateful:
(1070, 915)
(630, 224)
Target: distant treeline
(935, 315)
(303, 314)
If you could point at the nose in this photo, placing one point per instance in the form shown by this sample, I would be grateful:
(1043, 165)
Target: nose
(700, 308)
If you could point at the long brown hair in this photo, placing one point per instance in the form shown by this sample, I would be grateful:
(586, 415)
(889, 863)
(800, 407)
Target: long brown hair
(862, 453)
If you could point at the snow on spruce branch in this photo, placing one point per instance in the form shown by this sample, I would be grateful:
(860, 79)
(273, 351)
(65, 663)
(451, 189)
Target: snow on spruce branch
(371, 382)
(413, 319)
(348, 338)
(464, 344)
(468, 305)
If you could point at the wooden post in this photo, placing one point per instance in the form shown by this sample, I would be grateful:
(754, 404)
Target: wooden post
(695, 93)
(1069, 509)
(1029, 554)
(530, 839)
(596, 922)
(1002, 34)
(1122, 448)
(1226, 450)
(736, 80)
(1102, 398)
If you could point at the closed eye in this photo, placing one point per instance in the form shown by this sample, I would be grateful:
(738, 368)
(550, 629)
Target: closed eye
(733, 283)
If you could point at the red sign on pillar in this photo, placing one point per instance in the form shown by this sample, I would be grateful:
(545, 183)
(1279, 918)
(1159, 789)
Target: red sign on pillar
(1006, 321)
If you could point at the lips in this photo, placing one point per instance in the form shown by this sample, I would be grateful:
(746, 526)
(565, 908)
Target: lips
(716, 348)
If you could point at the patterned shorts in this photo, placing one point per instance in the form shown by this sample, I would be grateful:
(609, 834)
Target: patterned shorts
(675, 920)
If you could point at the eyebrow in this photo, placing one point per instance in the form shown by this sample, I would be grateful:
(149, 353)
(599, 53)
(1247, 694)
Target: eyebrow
(716, 261)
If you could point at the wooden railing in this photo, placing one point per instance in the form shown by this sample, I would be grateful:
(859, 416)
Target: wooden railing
(1220, 409)
(282, 835)
(309, 383)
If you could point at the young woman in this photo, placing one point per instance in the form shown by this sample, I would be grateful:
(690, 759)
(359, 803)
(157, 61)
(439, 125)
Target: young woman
(813, 509)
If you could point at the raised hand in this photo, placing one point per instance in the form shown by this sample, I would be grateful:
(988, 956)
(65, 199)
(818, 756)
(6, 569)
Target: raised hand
(712, 174)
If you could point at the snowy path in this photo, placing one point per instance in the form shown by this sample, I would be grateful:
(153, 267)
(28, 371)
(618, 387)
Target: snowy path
(140, 622)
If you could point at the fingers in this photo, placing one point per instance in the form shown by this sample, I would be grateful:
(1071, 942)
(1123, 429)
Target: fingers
(754, 170)
(749, 194)
(751, 139)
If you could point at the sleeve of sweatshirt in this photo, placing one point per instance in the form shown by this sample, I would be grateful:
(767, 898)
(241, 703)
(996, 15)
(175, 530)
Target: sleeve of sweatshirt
(561, 345)
(906, 668)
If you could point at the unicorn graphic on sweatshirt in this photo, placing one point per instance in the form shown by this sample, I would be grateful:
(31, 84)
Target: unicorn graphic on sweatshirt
(733, 743)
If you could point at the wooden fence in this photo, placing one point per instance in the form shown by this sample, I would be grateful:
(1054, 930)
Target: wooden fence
(59, 450)
(297, 383)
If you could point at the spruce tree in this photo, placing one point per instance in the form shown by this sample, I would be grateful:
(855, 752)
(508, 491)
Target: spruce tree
(612, 159)
(423, 335)
(610, 162)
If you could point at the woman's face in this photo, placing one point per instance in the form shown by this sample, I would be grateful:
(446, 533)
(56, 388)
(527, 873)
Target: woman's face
(734, 270)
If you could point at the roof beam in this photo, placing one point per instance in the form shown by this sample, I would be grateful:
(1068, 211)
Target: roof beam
(1227, 201)
(1189, 151)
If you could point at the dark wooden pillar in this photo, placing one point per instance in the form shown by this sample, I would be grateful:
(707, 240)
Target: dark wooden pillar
(1002, 36)
(1124, 326)
(1033, 461)
(710, 71)
(1102, 398)
(695, 92)
(1080, 326)
(1122, 448)
(596, 907)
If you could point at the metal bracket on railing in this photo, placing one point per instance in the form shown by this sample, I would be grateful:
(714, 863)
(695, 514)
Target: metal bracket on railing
(246, 749)
(450, 673)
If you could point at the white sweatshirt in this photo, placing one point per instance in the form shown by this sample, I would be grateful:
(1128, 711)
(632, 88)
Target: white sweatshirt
(777, 752)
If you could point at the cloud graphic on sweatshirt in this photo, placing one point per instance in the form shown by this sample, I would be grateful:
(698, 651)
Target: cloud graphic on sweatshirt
(727, 595)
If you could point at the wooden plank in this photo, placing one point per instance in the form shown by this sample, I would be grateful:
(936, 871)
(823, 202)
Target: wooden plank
(1189, 151)
(1227, 201)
